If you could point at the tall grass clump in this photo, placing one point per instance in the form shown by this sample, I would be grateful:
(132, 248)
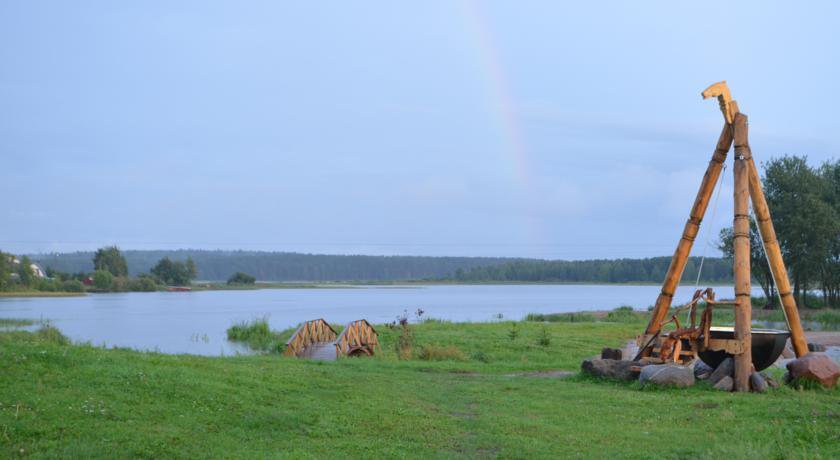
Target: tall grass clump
(561, 317)
(51, 334)
(404, 345)
(256, 334)
(827, 318)
(544, 337)
(623, 314)
(435, 352)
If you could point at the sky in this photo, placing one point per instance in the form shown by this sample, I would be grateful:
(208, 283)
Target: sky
(524, 129)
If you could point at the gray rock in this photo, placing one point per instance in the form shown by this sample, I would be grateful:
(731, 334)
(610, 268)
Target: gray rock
(725, 369)
(788, 353)
(815, 366)
(667, 375)
(725, 384)
(702, 370)
(771, 382)
(816, 347)
(757, 383)
(609, 368)
(610, 353)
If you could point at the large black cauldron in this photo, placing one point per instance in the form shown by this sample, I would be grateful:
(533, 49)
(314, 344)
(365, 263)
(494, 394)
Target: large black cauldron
(767, 345)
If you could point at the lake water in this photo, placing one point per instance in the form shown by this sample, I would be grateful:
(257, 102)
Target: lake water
(195, 322)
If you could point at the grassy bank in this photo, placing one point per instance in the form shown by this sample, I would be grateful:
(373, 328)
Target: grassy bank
(62, 400)
(40, 294)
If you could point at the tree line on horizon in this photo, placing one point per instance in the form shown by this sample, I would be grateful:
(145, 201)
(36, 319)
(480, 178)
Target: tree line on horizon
(221, 265)
(646, 270)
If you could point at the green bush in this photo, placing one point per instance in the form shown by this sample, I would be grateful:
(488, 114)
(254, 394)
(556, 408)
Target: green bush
(241, 278)
(47, 285)
(623, 314)
(827, 317)
(441, 353)
(102, 280)
(143, 284)
(50, 334)
(479, 356)
(72, 286)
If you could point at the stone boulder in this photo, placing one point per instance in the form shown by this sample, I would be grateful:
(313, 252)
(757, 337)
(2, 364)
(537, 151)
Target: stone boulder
(787, 352)
(757, 383)
(725, 369)
(667, 375)
(702, 370)
(726, 383)
(611, 353)
(816, 347)
(609, 368)
(814, 366)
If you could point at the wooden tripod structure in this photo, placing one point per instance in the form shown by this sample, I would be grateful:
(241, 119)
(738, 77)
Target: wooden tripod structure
(747, 188)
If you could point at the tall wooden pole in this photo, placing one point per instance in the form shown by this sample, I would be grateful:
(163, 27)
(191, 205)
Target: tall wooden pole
(692, 227)
(741, 246)
(774, 253)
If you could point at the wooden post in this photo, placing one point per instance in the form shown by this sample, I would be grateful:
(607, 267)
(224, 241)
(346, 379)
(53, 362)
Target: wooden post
(741, 246)
(774, 253)
(692, 227)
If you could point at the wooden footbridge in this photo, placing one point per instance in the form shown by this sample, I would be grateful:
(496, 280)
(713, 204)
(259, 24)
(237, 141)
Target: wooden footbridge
(316, 339)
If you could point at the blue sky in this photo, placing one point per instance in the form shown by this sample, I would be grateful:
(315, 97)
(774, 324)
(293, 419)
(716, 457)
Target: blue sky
(536, 129)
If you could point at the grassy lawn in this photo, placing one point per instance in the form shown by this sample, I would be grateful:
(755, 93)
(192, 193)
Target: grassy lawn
(59, 400)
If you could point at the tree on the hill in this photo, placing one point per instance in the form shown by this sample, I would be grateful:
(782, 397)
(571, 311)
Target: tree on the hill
(110, 259)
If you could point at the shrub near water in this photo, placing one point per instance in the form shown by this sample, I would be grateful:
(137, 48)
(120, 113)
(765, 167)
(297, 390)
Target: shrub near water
(50, 334)
(256, 334)
(562, 317)
(623, 314)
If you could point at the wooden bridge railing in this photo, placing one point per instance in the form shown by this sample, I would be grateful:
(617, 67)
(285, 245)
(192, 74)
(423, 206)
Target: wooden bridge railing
(358, 337)
(310, 332)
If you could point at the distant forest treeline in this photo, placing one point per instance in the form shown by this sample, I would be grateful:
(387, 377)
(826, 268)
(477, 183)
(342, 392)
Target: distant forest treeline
(282, 266)
(715, 270)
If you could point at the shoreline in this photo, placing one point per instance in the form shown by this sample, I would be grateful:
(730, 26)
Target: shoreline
(42, 294)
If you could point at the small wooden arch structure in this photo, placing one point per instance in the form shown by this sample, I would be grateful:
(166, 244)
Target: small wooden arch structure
(358, 338)
(316, 339)
(309, 334)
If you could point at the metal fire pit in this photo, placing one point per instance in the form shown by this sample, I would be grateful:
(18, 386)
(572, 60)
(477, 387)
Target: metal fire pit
(767, 345)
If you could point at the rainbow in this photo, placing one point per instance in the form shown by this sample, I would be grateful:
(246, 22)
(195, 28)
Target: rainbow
(504, 112)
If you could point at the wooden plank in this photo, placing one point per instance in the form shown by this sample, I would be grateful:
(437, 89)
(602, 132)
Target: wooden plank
(741, 264)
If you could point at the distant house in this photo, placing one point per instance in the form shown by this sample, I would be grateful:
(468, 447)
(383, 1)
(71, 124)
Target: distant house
(36, 269)
(88, 281)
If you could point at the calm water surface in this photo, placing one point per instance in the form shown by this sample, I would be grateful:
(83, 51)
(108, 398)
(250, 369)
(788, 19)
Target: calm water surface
(195, 322)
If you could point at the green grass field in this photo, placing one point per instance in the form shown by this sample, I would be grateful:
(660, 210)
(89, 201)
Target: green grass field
(60, 400)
